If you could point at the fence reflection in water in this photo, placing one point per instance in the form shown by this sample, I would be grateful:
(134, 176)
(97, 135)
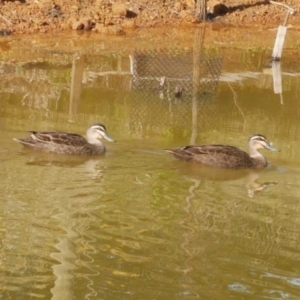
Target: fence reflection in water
(171, 87)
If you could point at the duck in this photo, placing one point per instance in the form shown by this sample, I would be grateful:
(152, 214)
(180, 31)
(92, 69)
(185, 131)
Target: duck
(226, 156)
(68, 143)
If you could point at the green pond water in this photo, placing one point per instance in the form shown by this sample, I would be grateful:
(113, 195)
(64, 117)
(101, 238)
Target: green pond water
(136, 223)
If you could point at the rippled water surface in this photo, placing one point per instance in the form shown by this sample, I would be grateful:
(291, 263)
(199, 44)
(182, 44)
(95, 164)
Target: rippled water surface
(136, 223)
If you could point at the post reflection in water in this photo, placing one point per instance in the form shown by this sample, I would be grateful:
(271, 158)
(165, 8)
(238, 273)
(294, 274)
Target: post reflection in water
(275, 71)
(63, 272)
(72, 214)
(76, 83)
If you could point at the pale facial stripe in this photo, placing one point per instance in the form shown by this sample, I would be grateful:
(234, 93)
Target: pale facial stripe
(258, 138)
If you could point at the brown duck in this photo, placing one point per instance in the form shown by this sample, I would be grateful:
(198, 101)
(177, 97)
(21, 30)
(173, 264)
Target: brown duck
(68, 143)
(224, 156)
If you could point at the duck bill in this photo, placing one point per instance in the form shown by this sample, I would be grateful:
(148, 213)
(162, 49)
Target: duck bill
(271, 148)
(107, 137)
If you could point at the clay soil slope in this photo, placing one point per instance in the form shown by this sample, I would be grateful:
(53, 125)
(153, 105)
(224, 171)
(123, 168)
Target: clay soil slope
(117, 17)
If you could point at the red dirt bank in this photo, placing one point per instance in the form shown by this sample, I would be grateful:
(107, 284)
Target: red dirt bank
(116, 17)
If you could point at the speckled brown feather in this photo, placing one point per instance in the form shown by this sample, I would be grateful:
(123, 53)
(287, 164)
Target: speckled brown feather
(61, 142)
(59, 138)
(222, 156)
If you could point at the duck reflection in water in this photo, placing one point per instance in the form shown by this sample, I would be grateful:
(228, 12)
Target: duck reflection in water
(249, 178)
(253, 186)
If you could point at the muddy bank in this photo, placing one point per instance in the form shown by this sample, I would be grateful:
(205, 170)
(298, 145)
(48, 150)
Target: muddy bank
(119, 17)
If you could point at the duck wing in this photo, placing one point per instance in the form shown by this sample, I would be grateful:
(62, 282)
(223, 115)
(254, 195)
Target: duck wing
(214, 155)
(58, 138)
